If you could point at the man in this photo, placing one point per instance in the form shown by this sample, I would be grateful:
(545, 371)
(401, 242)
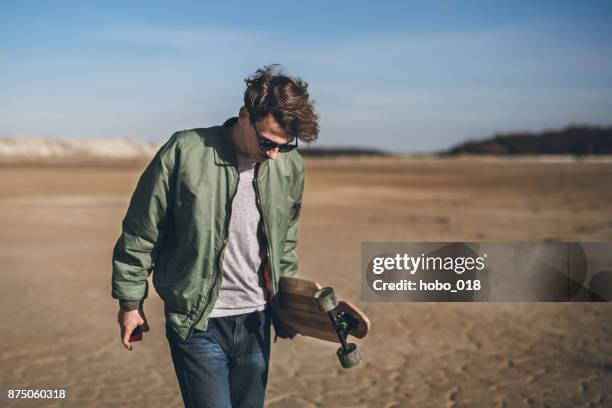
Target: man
(214, 217)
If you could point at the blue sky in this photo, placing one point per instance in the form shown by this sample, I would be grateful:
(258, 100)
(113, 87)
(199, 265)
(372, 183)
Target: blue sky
(411, 76)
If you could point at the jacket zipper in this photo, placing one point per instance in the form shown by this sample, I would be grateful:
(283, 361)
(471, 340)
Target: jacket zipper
(219, 256)
(263, 218)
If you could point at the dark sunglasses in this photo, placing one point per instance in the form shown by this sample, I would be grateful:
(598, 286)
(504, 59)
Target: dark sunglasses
(267, 144)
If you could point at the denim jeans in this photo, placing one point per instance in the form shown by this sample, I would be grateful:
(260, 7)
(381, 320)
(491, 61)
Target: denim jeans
(226, 365)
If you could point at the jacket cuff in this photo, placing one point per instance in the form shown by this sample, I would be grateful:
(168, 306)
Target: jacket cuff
(127, 305)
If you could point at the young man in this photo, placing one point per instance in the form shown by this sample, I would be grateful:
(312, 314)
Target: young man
(214, 217)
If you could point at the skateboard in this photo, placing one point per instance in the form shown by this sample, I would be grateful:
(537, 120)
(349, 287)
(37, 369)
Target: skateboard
(314, 311)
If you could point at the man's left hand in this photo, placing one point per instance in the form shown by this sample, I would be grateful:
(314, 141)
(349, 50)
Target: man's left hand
(285, 332)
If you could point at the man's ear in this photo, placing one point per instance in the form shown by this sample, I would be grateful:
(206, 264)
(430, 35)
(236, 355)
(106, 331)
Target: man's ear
(243, 114)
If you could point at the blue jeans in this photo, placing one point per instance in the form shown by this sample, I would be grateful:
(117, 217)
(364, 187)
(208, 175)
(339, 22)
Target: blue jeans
(226, 365)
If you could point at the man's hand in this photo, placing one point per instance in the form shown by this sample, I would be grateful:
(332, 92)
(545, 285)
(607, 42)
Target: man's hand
(128, 321)
(285, 332)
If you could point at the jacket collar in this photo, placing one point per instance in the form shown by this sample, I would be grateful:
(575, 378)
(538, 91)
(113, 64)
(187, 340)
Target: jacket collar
(225, 152)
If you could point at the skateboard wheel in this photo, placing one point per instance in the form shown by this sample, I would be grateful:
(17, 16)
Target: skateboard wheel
(325, 299)
(349, 358)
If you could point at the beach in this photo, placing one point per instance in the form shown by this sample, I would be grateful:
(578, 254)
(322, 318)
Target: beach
(59, 328)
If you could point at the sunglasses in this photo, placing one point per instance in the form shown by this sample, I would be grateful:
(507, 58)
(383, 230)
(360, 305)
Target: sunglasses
(267, 144)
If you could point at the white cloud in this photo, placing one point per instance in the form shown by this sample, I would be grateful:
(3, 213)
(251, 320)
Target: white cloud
(447, 85)
(179, 38)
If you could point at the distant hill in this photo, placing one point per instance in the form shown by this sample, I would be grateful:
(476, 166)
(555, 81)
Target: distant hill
(349, 151)
(574, 140)
(25, 149)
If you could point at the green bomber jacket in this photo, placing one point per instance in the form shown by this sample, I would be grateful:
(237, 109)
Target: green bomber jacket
(177, 222)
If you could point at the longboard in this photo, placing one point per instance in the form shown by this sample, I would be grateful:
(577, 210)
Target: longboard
(313, 311)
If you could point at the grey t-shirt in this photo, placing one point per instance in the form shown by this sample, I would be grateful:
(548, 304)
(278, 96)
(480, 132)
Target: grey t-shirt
(242, 288)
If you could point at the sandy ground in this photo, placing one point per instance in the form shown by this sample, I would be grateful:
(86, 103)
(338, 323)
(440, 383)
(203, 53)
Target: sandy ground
(58, 322)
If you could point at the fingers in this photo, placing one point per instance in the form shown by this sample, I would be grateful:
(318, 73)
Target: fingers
(126, 331)
(291, 333)
(145, 326)
(128, 321)
(286, 332)
(143, 321)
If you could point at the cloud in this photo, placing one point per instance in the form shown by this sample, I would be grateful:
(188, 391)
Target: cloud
(189, 39)
(446, 85)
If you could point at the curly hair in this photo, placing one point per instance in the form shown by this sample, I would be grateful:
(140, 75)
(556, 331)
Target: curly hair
(270, 92)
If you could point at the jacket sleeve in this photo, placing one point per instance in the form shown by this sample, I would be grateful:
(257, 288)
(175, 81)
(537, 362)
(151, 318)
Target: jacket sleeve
(144, 226)
(289, 262)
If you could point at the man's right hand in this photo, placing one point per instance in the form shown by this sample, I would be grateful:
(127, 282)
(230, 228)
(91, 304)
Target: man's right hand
(128, 321)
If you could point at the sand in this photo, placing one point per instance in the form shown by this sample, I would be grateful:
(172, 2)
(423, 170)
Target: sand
(58, 322)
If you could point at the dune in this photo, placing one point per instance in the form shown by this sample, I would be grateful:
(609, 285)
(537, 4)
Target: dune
(35, 149)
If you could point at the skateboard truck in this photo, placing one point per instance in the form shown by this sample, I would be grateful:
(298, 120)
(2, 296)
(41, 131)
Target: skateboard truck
(325, 300)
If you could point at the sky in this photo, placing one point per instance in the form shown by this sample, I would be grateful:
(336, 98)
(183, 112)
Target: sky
(405, 76)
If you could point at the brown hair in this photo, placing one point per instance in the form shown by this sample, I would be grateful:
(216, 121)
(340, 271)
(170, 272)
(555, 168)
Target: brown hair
(270, 91)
